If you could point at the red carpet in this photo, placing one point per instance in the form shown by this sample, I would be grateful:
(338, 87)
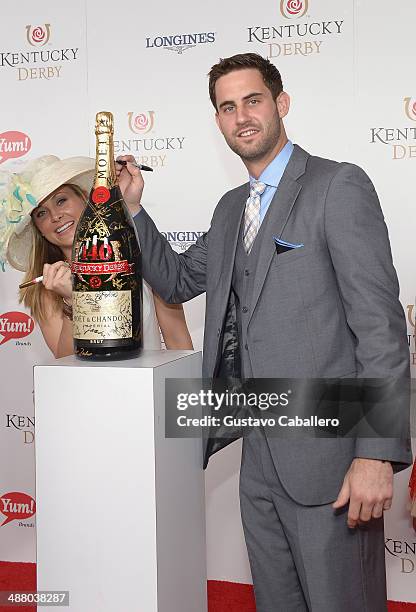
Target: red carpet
(233, 597)
(19, 577)
(222, 596)
(230, 597)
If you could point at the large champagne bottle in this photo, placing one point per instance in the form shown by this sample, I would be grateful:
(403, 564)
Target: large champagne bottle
(106, 264)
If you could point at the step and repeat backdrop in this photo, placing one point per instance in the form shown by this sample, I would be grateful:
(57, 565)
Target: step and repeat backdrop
(347, 65)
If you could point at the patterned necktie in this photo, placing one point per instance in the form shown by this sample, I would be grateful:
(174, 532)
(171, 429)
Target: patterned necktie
(252, 214)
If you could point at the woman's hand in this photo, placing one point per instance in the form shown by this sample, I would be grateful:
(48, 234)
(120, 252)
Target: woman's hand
(131, 183)
(57, 278)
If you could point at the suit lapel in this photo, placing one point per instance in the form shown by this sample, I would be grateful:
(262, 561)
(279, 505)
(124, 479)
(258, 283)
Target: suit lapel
(231, 233)
(224, 265)
(277, 216)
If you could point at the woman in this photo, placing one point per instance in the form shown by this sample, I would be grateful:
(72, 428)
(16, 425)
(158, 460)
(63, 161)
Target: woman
(40, 213)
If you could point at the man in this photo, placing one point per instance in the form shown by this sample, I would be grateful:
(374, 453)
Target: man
(297, 262)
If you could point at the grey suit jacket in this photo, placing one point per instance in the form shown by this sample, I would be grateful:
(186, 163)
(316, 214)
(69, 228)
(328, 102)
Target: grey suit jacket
(328, 309)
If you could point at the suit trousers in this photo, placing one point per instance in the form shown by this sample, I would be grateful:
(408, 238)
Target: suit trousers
(305, 558)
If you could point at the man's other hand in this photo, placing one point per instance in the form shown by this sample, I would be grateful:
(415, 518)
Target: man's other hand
(368, 487)
(131, 183)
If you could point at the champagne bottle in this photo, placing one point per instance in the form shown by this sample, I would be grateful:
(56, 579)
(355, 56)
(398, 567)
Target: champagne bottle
(106, 264)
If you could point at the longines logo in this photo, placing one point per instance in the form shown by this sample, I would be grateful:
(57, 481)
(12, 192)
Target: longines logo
(404, 551)
(153, 150)
(399, 140)
(294, 38)
(182, 240)
(41, 62)
(293, 8)
(38, 36)
(180, 42)
(23, 424)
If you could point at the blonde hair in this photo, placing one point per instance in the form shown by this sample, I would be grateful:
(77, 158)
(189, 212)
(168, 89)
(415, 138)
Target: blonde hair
(42, 252)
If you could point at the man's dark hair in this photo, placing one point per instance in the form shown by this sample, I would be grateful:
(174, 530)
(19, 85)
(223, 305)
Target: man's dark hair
(269, 72)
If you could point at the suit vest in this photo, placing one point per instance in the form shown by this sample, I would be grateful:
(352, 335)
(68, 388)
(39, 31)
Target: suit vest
(242, 285)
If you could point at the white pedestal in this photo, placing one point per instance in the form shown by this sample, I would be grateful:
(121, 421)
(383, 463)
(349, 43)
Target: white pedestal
(120, 508)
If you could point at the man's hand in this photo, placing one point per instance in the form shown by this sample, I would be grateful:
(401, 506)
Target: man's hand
(368, 486)
(131, 183)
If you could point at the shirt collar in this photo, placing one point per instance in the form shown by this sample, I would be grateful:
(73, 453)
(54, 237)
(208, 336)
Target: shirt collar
(272, 174)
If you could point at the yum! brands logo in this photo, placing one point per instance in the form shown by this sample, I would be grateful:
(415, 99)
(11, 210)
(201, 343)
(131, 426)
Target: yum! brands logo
(13, 144)
(38, 36)
(17, 506)
(141, 123)
(15, 326)
(293, 8)
(400, 140)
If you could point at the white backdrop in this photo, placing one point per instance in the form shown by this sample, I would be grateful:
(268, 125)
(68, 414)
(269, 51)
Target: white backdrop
(346, 64)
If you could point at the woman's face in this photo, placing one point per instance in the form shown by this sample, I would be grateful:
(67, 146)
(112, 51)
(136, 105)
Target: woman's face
(56, 217)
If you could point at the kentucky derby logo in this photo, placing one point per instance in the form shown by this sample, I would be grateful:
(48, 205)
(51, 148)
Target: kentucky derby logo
(141, 123)
(292, 9)
(24, 425)
(38, 36)
(410, 108)
(404, 551)
(410, 315)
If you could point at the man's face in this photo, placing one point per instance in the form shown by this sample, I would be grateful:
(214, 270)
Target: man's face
(247, 116)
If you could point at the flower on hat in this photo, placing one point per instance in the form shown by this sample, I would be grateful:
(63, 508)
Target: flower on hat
(16, 204)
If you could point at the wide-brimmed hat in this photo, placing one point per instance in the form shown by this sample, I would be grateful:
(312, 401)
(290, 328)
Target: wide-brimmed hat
(26, 190)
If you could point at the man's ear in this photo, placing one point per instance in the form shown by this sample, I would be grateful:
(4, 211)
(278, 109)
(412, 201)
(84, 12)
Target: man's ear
(283, 104)
(217, 120)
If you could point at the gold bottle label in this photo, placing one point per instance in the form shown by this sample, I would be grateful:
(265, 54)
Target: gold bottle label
(102, 315)
(105, 171)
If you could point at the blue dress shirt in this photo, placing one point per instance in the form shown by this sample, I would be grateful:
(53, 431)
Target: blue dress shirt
(271, 176)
